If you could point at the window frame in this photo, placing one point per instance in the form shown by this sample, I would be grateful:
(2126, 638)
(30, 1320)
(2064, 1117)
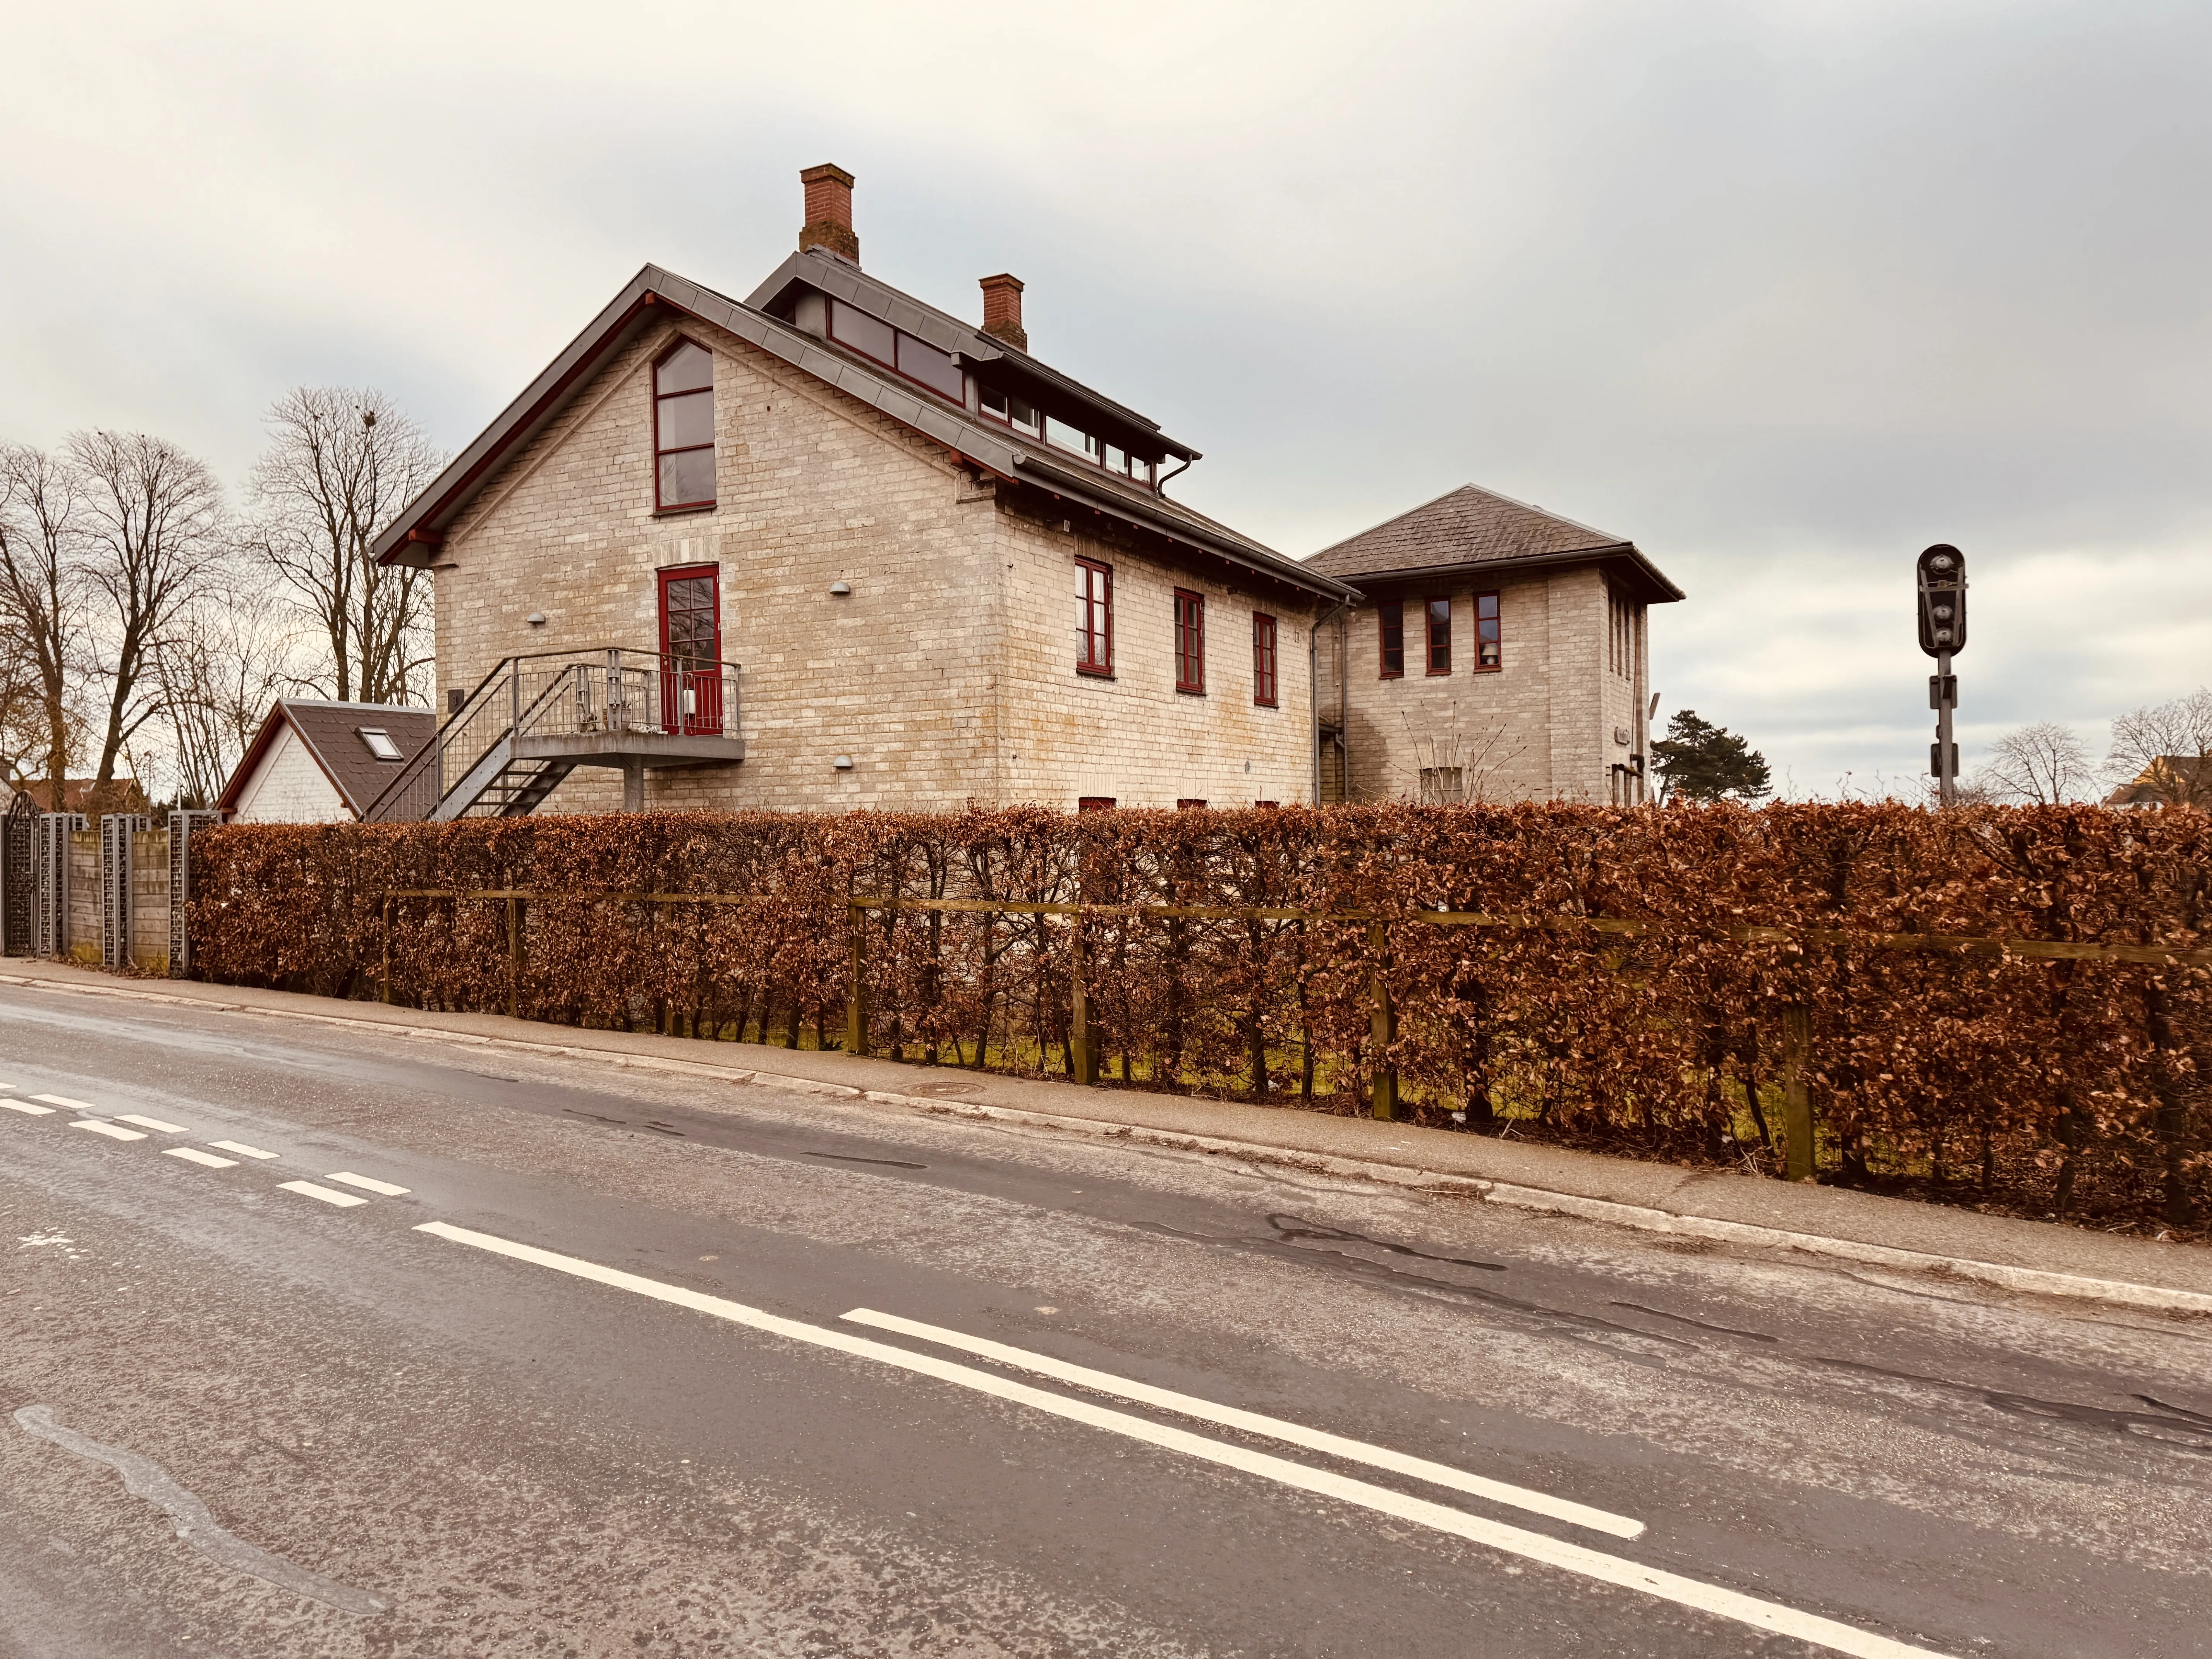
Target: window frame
(1266, 661)
(660, 454)
(1388, 613)
(1041, 433)
(1087, 661)
(1189, 642)
(1429, 635)
(1497, 619)
(1095, 802)
(370, 736)
(829, 330)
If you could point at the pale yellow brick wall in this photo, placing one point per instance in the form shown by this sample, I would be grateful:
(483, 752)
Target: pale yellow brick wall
(946, 676)
(1134, 738)
(1538, 728)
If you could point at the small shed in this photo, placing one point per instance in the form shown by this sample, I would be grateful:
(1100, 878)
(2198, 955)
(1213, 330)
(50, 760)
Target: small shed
(322, 763)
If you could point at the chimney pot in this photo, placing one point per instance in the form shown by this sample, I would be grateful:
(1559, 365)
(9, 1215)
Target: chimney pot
(1002, 310)
(829, 212)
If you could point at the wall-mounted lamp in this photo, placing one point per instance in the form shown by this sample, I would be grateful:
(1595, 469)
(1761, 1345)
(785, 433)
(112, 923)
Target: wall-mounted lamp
(841, 589)
(843, 762)
(536, 619)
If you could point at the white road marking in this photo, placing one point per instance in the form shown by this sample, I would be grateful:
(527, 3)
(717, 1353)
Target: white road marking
(367, 1185)
(1274, 1428)
(344, 1201)
(1479, 1529)
(194, 1155)
(111, 1131)
(63, 1100)
(28, 1109)
(151, 1123)
(241, 1150)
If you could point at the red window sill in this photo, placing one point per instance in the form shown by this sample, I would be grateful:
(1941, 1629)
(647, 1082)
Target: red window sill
(1094, 673)
(684, 511)
(1190, 690)
(1265, 703)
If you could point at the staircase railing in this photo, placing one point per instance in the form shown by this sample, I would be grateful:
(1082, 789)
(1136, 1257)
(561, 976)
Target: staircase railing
(608, 691)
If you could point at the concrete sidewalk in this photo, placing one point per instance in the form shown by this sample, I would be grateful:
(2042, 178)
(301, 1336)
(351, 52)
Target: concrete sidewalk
(2037, 1257)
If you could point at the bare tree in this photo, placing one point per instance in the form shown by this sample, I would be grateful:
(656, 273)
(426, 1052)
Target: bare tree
(340, 462)
(220, 664)
(153, 521)
(1447, 770)
(2167, 749)
(2043, 763)
(42, 595)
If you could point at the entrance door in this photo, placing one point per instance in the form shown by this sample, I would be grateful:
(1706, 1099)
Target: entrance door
(691, 651)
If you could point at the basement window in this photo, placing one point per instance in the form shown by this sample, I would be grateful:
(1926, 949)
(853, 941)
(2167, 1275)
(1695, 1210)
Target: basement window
(379, 743)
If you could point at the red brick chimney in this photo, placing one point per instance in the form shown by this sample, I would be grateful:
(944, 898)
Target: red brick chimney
(1002, 310)
(829, 212)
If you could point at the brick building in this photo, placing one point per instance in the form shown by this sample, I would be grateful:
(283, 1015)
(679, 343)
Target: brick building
(828, 547)
(1497, 651)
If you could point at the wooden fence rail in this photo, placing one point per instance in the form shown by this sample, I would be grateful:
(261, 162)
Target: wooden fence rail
(1383, 1102)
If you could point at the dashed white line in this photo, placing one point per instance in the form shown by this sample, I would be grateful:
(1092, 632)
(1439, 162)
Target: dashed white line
(194, 1155)
(63, 1100)
(113, 1131)
(151, 1123)
(307, 1188)
(1274, 1428)
(1478, 1529)
(240, 1148)
(384, 1188)
(27, 1108)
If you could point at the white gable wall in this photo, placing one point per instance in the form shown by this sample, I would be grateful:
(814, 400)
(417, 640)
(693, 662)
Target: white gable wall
(289, 786)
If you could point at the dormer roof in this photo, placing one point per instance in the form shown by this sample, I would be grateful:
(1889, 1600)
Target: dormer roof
(1471, 530)
(656, 294)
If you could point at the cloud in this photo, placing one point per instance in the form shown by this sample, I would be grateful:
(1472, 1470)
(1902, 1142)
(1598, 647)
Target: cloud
(1781, 292)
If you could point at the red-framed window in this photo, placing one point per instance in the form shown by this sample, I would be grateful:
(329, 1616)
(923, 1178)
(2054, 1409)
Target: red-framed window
(1094, 618)
(1263, 660)
(1438, 614)
(1094, 803)
(1390, 615)
(1489, 637)
(1190, 804)
(683, 427)
(898, 350)
(1190, 642)
(691, 649)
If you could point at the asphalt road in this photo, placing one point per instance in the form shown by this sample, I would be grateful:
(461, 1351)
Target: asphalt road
(589, 1385)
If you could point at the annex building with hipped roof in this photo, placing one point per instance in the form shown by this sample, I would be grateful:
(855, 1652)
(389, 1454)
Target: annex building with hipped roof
(827, 547)
(1496, 651)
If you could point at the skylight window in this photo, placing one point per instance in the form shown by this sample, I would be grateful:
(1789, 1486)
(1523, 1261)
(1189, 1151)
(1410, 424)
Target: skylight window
(379, 743)
(895, 348)
(1003, 405)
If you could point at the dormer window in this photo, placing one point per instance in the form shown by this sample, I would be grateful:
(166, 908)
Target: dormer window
(379, 743)
(898, 350)
(1025, 418)
(1005, 406)
(684, 429)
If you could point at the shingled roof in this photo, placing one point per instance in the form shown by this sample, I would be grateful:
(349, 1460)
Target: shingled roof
(1472, 526)
(332, 733)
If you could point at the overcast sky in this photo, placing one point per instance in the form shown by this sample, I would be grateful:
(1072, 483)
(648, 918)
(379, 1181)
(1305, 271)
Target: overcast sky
(1782, 293)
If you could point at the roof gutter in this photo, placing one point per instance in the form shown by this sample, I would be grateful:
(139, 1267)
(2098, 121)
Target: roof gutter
(1625, 552)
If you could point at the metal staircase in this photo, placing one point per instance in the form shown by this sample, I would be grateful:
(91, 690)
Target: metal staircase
(536, 719)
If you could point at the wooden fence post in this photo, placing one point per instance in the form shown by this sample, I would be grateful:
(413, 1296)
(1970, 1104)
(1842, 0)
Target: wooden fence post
(856, 994)
(513, 956)
(1383, 1031)
(1083, 1049)
(387, 948)
(1797, 1092)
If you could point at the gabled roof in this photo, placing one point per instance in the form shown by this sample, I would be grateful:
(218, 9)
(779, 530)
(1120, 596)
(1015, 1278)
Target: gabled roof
(331, 734)
(655, 294)
(1472, 528)
(2168, 781)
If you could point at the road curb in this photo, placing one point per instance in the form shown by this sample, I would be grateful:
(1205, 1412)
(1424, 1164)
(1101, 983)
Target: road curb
(1642, 1218)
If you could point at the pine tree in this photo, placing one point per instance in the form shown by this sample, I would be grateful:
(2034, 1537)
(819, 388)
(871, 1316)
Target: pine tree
(1702, 761)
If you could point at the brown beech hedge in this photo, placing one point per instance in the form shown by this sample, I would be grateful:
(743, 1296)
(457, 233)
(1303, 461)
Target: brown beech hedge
(2070, 1085)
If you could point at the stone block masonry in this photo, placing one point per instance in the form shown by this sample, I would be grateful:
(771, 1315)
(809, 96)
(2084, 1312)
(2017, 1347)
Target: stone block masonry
(946, 676)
